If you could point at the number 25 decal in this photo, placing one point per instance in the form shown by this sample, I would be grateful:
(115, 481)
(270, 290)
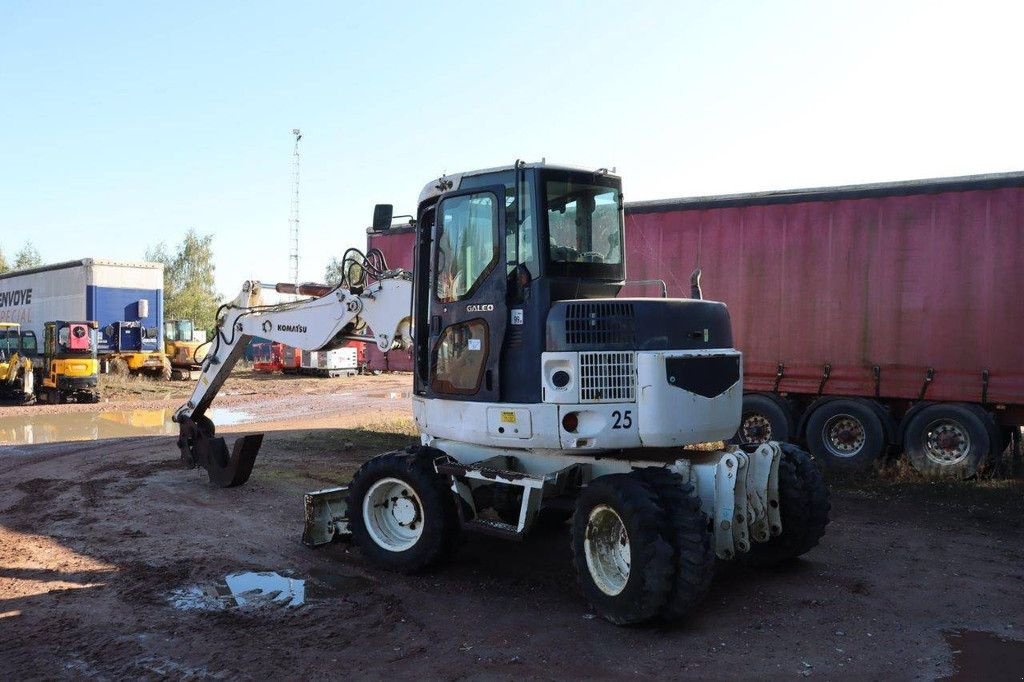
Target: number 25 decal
(623, 420)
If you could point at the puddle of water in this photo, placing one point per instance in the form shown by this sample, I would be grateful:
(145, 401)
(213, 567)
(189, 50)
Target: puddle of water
(251, 588)
(985, 656)
(32, 427)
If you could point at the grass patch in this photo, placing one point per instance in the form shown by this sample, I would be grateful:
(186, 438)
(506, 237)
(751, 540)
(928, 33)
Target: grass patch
(903, 483)
(113, 385)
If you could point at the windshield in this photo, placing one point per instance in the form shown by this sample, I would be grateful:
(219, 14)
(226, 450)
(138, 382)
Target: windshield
(184, 330)
(584, 224)
(10, 341)
(178, 330)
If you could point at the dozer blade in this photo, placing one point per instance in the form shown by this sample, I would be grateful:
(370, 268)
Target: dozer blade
(199, 448)
(326, 516)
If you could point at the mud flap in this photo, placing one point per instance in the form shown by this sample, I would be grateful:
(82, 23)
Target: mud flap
(210, 452)
(326, 516)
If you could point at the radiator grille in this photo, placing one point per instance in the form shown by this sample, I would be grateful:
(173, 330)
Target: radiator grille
(607, 377)
(606, 322)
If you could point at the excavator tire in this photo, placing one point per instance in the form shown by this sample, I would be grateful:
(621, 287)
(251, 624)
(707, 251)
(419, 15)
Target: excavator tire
(622, 549)
(692, 541)
(402, 513)
(804, 506)
(118, 367)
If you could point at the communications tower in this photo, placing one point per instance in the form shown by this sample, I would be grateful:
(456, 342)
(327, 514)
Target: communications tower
(293, 220)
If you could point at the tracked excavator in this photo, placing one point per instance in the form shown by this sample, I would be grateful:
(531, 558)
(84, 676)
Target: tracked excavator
(17, 377)
(540, 393)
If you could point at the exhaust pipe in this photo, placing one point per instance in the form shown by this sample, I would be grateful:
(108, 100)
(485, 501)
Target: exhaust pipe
(695, 291)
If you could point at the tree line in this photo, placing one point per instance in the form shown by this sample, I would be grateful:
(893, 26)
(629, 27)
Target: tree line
(27, 257)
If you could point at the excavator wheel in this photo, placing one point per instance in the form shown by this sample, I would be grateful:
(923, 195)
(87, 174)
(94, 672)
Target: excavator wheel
(804, 506)
(692, 541)
(622, 549)
(402, 513)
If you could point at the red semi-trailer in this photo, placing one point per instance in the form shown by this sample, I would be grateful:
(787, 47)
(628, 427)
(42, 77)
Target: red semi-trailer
(396, 244)
(869, 316)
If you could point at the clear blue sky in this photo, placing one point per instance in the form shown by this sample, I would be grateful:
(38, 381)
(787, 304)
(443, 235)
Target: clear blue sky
(125, 123)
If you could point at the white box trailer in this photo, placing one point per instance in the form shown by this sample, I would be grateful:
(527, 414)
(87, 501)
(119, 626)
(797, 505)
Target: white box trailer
(88, 289)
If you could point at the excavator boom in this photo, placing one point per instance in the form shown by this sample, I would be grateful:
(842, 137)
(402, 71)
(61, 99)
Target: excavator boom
(377, 312)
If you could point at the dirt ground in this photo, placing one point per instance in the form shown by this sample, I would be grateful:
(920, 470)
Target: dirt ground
(113, 561)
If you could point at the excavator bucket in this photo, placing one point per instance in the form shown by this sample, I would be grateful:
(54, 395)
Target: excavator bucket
(200, 447)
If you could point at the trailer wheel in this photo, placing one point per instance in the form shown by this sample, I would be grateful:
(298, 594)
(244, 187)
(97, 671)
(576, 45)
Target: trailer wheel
(621, 550)
(401, 512)
(165, 369)
(118, 367)
(692, 541)
(845, 435)
(947, 441)
(995, 436)
(763, 419)
(804, 506)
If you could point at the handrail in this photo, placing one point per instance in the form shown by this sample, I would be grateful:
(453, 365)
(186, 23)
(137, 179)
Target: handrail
(660, 282)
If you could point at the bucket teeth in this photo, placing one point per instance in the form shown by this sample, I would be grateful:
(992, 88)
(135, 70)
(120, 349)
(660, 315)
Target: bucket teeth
(225, 469)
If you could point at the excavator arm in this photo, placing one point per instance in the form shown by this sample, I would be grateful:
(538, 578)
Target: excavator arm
(379, 312)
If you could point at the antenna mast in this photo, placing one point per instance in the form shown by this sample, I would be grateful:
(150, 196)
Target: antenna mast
(293, 220)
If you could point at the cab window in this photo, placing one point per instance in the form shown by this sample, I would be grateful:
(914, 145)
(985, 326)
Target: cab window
(466, 244)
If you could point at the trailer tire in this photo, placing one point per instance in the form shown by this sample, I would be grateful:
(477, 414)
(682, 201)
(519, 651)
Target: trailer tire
(846, 435)
(947, 440)
(621, 550)
(763, 418)
(391, 539)
(804, 506)
(165, 369)
(692, 542)
(995, 435)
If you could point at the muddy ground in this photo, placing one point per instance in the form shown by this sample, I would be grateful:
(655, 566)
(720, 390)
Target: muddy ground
(111, 557)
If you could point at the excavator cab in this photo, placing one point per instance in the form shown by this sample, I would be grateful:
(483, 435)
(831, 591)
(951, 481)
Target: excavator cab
(183, 348)
(494, 250)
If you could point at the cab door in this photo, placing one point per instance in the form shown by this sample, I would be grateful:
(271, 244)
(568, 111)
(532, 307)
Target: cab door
(467, 314)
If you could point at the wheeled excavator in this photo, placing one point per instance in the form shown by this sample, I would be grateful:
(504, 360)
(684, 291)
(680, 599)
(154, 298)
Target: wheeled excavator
(538, 392)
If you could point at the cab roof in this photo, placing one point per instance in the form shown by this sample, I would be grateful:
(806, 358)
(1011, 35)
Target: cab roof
(440, 185)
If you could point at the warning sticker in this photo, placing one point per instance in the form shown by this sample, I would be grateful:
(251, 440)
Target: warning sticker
(508, 417)
(474, 344)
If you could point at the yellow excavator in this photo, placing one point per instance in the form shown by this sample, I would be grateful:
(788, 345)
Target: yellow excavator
(184, 348)
(70, 368)
(17, 381)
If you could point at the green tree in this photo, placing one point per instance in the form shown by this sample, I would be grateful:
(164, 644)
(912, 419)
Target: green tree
(189, 291)
(28, 257)
(4, 267)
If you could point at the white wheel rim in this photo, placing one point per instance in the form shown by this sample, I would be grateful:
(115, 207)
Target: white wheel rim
(947, 442)
(606, 546)
(393, 514)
